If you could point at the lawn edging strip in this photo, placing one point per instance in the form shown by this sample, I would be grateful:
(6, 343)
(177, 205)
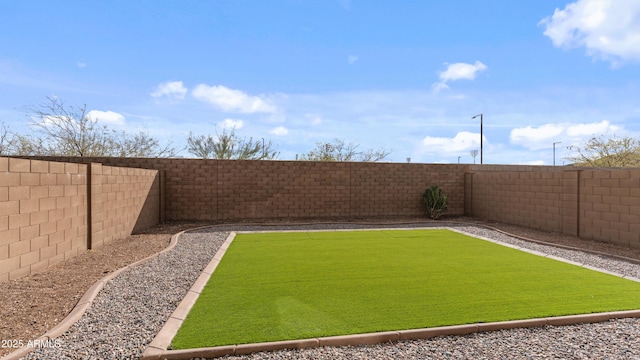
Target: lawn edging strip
(157, 349)
(380, 337)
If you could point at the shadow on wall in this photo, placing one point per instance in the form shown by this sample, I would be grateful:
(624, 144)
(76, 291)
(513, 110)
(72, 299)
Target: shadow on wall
(151, 211)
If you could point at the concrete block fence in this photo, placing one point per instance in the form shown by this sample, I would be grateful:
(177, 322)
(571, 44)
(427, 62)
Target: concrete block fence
(592, 203)
(230, 190)
(609, 206)
(51, 211)
(43, 201)
(123, 201)
(43, 214)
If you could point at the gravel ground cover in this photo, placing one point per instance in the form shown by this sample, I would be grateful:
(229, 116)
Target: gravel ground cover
(130, 310)
(133, 307)
(36, 303)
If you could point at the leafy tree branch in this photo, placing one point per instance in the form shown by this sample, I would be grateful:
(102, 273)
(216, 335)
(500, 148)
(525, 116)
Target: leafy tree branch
(339, 150)
(607, 152)
(228, 145)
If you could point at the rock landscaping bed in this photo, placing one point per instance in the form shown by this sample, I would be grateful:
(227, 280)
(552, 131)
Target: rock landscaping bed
(34, 304)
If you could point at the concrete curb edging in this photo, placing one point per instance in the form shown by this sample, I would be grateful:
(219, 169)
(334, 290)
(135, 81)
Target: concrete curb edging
(382, 337)
(157, 349)
(84, 303)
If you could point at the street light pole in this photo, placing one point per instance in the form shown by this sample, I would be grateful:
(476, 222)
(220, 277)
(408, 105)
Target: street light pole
(554, 152)
(480, 135)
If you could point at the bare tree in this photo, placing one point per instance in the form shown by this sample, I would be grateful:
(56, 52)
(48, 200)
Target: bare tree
(8, 140)
(607, 152)
(339, 150)
(28, 145)
(228, 145)
(66, 130)
(69, 131)
(142, 144)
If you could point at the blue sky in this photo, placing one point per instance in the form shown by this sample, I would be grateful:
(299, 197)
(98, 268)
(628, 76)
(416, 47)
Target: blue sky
(401, 75)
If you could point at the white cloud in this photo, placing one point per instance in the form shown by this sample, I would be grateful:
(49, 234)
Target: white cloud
(279, 131)
(81, 65)
(109, 117)
(173, 89)
(592, 129)
(463, 141)
(608, 29)
(231, 124)
(230, 100)
(536, 137)
(439, 86)
(458, 71)
(351, 59)
(533, 162)
(543, 137)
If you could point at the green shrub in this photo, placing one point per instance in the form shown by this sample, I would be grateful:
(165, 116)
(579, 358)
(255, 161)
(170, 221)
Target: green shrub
(435, 201)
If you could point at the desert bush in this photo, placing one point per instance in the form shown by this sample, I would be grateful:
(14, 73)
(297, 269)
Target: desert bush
(435, 201)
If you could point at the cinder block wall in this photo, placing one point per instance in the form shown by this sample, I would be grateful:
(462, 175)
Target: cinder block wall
(395, 189)
(189, 184)
(533, 198)
(610, 206)
(123, 201)
(595, 204)
(279, 189)
(231, 190)
(43, 214)
(590, 203)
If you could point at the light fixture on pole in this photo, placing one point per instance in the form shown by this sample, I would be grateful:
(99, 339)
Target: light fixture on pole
(554, 152)
(480, 135)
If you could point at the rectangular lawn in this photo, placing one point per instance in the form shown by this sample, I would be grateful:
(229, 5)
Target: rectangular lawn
(296, 285)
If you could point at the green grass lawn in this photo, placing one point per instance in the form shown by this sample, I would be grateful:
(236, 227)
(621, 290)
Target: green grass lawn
(296, 285)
